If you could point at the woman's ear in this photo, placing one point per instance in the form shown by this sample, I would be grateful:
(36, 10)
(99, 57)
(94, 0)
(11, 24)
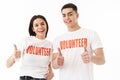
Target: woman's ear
(33, 29)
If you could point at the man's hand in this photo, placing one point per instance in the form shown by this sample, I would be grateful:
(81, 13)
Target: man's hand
(60, 58)
(85, 56)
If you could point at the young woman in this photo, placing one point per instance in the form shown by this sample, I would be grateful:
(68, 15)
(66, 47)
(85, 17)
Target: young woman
(35, 52)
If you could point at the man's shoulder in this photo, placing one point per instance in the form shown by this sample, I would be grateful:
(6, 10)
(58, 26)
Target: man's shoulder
(87, 29)
(90, 31)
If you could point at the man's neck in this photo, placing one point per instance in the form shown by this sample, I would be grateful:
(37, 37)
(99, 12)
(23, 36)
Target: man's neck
(74, 28)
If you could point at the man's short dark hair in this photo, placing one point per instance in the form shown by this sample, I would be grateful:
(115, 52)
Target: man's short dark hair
(69, 5)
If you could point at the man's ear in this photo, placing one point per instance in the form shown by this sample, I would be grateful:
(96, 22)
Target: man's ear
(77, 15)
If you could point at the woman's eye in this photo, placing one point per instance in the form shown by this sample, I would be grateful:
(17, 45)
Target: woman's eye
(36, 25)
(42, 24)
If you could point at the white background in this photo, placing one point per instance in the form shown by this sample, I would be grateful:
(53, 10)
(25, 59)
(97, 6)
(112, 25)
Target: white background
(102, 16)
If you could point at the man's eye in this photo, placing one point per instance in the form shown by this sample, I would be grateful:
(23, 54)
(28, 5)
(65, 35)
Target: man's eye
(63, 15)
(70, 14)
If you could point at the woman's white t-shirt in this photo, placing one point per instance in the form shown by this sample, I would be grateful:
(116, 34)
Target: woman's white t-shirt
(35, 57)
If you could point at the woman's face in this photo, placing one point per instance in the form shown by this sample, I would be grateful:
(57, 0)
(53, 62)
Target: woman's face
(40, 28)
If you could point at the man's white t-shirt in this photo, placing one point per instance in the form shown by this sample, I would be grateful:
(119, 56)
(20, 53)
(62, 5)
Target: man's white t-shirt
(72, 46)
(35, 57)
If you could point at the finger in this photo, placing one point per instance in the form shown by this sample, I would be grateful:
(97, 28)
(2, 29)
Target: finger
(85, 49)
(15, 47)
(46, 75)
(59, 52)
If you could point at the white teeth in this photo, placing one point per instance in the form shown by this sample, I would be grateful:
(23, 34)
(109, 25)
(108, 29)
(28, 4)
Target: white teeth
(68, 21)
(41, 30)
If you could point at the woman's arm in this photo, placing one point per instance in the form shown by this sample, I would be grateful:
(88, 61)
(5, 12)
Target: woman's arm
(50, 75)
(11, 60)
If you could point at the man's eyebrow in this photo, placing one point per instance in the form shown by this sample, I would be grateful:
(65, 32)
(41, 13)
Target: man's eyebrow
(67, 13)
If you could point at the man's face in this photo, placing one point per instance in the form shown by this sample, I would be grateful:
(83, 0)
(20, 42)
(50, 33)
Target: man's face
(69, 17)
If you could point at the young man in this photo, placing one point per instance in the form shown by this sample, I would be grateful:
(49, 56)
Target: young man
(77, 50)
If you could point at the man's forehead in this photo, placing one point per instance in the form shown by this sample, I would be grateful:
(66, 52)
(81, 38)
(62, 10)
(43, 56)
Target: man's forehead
(67, 10)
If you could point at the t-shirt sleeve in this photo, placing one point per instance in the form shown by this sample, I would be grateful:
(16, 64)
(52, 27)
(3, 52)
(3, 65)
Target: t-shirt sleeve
(55, 45)
(96, 41)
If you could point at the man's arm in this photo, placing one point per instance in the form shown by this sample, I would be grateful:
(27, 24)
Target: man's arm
(98, 58)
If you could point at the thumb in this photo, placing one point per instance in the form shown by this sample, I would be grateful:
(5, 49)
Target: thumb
(59, 52)
(85, 49)
(15, 47)
(46, 75)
